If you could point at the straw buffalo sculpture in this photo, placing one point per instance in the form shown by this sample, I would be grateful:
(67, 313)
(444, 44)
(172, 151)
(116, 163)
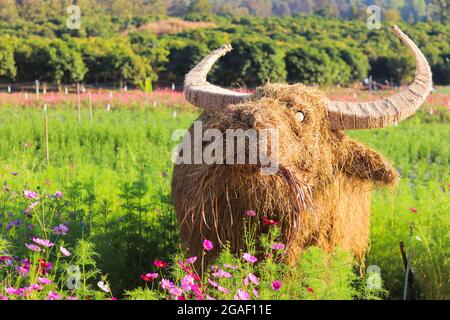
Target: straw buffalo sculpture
(321, 191)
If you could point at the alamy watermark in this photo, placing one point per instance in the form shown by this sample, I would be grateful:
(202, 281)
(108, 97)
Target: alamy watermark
(232, 147)
(374, 19)
(74, 19)
(373, 277)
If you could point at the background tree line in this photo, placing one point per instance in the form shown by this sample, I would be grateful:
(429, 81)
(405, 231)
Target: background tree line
(408, 10)
(302, 48)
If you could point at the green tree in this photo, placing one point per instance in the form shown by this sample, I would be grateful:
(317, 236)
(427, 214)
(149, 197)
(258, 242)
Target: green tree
(308, 65)
(7, 62)
(8, 10)
(251, 63)
(200, 7)
(153, 51)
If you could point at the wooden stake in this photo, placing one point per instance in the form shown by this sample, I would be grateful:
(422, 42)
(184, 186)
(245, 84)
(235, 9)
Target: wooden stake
(78, 102)
(37, 89)
(409, 273)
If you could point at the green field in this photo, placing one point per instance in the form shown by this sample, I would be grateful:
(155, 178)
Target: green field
(115, 174)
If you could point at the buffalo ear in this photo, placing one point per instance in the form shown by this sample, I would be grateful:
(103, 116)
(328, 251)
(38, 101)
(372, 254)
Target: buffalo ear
(358, 161)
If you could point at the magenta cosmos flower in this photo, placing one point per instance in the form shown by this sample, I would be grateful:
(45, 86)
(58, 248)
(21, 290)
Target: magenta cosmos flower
(160, 264)
(14, 291)
(31, 194)
(44, 280)
(33, 287)
(149, 276)
(45, 243)
(276, 285)
(191, 260)
(53, 296)
(249, 258)
(207, 245)
(278, 246)
(187, 283)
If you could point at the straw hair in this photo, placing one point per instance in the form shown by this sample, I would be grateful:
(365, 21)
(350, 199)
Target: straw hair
(320, 194)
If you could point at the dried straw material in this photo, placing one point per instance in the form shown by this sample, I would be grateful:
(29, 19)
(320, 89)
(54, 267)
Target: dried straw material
(320, 194)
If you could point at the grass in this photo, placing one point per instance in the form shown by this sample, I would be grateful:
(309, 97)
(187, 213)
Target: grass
(115, 174)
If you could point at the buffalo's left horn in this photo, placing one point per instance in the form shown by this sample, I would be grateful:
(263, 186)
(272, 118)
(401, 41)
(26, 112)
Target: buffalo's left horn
(203, 94)
(390, 110)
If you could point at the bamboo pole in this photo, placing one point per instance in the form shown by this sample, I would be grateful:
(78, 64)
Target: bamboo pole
(47, 151)
(78, 102)
(91, 115)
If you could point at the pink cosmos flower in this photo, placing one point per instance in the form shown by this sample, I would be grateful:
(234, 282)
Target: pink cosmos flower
(31, 207)
(251, 213)
(413, 210)
(254, 279)
(14, 291)
(104, 286)
(222, 274)
(58, 194)
(166, 284)
(278, 246)
(24, 269)
(256, 293)
(186, 283)
(213, 283)
(223, 290)
(191, 260)
(31, 194)
(230, 266)
(149, 276)
(249, 258)
(175, 291)
(276, 285)
(53, 296)
(3, 297)
(44, 280)
(71, 298)
(64, 251)
(33, 247)
(207, 297)
(207, 245)
(45, 243)
(34, 287)
(241, 294)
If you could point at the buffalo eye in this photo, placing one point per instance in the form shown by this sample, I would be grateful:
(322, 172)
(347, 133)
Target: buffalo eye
(299, 116)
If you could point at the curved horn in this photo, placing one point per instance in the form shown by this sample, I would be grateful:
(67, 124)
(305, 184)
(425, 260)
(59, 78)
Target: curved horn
(203, 94)
(390, 110)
